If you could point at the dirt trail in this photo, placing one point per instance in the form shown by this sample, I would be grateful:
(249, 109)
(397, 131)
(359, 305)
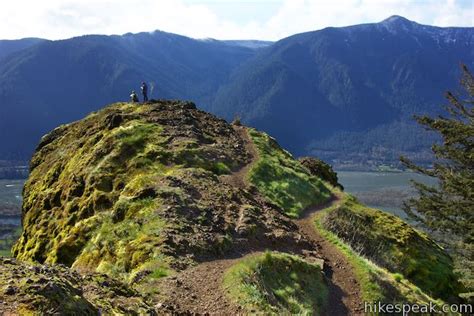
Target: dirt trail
(199, 290)
(238, 177)
(345, 294)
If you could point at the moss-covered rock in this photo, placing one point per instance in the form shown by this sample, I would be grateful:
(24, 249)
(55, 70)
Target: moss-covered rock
(279, 284)
(393, 244)
(33, 289)
(136, 192)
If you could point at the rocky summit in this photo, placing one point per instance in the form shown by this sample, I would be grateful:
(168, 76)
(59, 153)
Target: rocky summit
(161, 208)
(132, 189)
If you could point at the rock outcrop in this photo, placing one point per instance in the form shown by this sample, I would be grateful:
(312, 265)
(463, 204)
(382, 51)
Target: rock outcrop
(32, 289)
(137, 192)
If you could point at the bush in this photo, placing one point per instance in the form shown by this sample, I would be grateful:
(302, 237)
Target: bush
(321, 170)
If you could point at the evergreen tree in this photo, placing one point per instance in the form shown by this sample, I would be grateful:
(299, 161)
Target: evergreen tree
(447, 210)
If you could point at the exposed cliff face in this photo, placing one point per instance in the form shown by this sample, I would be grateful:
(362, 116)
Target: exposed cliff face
(137, 191)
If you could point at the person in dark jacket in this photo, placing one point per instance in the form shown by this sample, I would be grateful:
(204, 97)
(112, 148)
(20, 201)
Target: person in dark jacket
(134, 97)
(144, 88)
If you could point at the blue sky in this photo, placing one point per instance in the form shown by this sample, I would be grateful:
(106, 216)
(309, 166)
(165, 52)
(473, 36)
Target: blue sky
(225, 19)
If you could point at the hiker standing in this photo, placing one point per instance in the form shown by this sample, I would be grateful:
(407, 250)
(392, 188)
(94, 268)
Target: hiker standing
(134, 97)
(144, 88)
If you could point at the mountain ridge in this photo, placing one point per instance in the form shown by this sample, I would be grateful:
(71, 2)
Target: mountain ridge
(8, 47)
(37, 80)
(351, 79)
(358, 80)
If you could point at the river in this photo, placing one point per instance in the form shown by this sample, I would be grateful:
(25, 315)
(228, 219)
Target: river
(383, 190)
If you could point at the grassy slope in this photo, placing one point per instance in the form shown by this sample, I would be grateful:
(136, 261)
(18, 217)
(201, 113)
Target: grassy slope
(284, 182)
(378, 283)
(282, 179)
(277, 283)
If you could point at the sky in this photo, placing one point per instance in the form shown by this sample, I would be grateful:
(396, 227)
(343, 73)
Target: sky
(224, 19)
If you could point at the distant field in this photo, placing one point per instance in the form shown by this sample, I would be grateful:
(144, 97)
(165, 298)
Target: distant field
(384, 190)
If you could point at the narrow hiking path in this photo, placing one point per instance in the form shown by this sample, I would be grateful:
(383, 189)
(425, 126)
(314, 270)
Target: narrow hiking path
(238, 177)
(344, 289)
(199, 289)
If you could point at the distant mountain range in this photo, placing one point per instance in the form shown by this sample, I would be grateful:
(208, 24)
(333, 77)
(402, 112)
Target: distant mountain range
(348, 94)
(55, 82)
(345, 94)
(8, 47)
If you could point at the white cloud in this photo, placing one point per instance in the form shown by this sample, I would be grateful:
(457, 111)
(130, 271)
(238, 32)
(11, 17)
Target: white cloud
(302, 15)
(56, 19)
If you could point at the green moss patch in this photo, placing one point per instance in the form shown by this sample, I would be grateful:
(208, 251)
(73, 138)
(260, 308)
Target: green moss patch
(31, 289)
(128, 241)
(282, 179)
(133, 191)
(393, 244)
(277, 283)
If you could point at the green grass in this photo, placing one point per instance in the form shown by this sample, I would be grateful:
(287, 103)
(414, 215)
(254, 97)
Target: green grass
(127, 241)
(136, 133)
(398, 277)
(377, 283)
(282, 179)
(277, 283)
(195, 158)
(159, 273)
(365, 271)
(221, 168)
(393, 244)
